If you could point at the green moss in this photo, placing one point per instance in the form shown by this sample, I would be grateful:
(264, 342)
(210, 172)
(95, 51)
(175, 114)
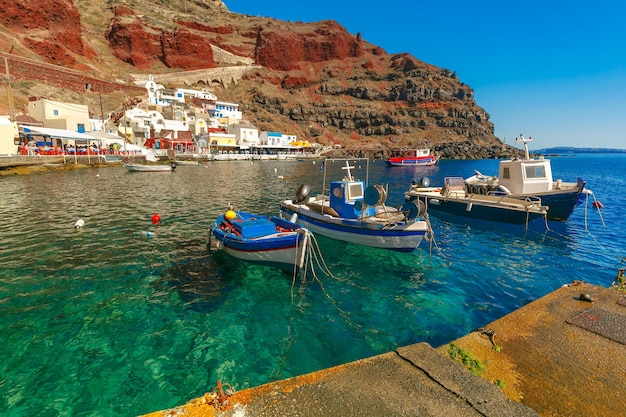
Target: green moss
(619, 284)
(466, 359)
(500, 384)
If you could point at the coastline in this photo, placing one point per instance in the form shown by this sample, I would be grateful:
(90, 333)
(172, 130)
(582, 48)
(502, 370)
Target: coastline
(25, 165)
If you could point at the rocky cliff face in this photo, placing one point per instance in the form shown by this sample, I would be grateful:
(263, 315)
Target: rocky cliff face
(51, 29)
(314, 80)
(134, 41)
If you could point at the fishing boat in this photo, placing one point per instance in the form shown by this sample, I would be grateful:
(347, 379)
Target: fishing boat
(413, 157)
(356, 213)
(187, 162)
(259, 239)
(455, 203)
(149, 168)
(521, 178)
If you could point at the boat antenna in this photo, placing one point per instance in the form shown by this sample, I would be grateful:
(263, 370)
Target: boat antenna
(524, 141)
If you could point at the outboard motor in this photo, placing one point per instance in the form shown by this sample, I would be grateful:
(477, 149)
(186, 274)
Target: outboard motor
(423, 182)
(173, 166)
(302, 193)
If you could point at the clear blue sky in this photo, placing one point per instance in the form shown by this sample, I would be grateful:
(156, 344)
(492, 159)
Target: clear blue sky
(551, 70)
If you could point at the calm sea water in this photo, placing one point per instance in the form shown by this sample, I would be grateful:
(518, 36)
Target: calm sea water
(113, 320)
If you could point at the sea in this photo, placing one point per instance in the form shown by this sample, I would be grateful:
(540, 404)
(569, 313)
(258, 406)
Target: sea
(124, 317)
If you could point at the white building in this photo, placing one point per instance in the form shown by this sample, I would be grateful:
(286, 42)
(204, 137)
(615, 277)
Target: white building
(9, 136)
(246, 135)
(59, 115)
(224, 110)
(273, 139)
(160, 96)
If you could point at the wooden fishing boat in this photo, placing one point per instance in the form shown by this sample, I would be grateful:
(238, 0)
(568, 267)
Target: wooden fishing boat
(259, 239)
(356, 213)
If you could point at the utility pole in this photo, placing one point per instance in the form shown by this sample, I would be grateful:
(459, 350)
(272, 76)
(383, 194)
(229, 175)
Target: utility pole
(101, 109)
(9, 91)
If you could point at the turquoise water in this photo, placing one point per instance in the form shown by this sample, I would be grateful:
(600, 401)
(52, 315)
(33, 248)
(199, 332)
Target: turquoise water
(112, 320)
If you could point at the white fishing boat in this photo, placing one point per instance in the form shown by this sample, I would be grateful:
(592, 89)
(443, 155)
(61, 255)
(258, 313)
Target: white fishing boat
(356, 213)
(530, 177)
(149, 168)
(188, 162)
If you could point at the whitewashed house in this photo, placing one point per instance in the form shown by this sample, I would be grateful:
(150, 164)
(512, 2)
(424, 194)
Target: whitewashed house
(246, 135)
(9, 136)
(59, 115)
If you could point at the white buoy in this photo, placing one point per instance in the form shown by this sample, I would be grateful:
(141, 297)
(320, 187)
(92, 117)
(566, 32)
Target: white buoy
(79, 224)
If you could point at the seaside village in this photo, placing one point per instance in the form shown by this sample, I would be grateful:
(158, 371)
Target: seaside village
(181, 124)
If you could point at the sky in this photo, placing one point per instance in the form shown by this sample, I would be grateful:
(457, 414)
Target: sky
(554, 70)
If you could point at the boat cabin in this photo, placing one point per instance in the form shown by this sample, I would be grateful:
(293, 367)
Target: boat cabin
(526, 176)
(346, 198)
(411, 153)
(351, 199)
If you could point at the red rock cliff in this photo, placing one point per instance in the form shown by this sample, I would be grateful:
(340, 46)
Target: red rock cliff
(137, 43)
(281, 49)
(50, 28)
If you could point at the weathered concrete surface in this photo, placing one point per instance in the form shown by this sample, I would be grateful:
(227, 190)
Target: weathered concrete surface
(413, 381)
(552, 366)
(549, 367)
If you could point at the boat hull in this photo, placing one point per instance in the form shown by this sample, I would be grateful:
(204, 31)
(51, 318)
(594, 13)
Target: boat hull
(560, 204)
(398, 162)
(148, 168)
(402, 237)
(453, 200)
(469, 210)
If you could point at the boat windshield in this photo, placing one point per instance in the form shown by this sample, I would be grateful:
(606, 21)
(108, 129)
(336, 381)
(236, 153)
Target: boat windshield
(355, 191)
(535, 171)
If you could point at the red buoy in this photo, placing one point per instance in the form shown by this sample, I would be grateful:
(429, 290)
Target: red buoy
(156, 218)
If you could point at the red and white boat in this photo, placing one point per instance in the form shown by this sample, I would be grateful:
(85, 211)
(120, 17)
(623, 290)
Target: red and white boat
(412, 157)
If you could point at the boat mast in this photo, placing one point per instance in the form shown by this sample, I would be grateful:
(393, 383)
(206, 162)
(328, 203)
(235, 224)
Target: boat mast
(524, 141)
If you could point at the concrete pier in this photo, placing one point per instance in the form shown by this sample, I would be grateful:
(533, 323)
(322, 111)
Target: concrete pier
(557, 356)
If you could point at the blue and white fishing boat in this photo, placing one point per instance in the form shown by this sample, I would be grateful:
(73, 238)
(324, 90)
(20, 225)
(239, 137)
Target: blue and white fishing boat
(530, 177)
(454, 203)
(259, 239)
(356, 213)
